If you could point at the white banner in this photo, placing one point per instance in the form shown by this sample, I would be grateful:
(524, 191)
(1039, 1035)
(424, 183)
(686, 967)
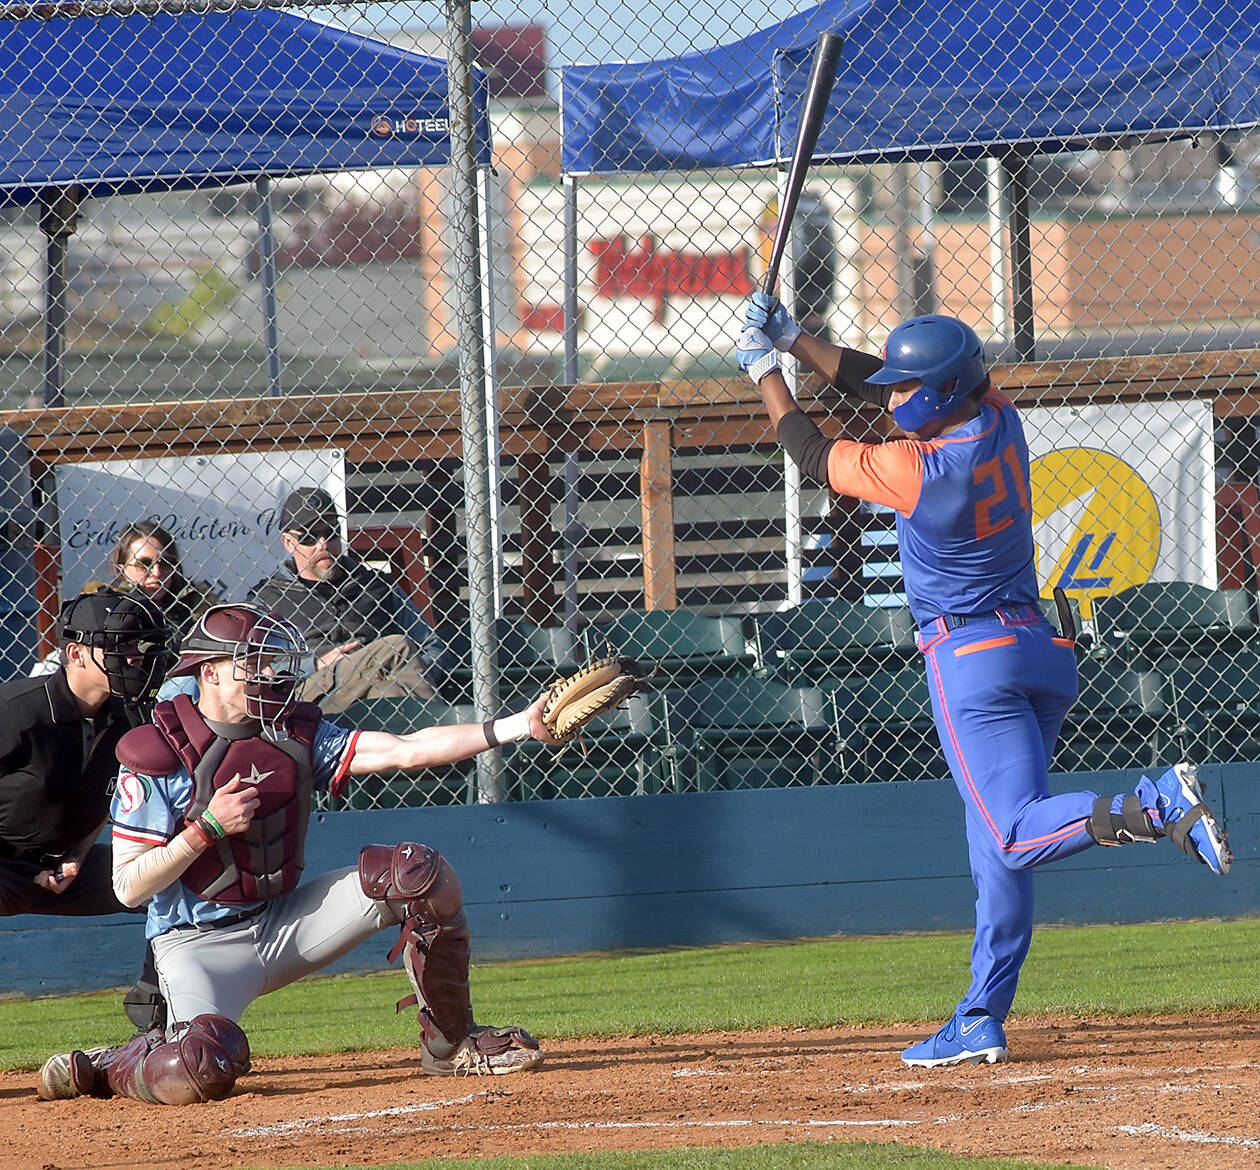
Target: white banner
(1122, 493)
(223, 511)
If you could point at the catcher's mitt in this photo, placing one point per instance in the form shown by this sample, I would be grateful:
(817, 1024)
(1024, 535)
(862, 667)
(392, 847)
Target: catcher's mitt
(599, 686)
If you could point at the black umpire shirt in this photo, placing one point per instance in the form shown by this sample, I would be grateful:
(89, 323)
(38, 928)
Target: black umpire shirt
(52, 792)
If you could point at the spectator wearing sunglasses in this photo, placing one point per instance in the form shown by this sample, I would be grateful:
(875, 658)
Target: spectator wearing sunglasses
(369, 640)
(146, 559)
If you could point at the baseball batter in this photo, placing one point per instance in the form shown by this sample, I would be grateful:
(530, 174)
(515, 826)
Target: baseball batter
(1000, 677)
(210, 817)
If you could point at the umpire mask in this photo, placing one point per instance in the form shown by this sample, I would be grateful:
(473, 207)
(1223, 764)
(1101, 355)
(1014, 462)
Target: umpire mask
(129, 640)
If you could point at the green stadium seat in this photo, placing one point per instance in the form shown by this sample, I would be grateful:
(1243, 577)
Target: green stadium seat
(1122, 719)
(749, 733)
(1217, 703)
(680, 645)
(1151, 623)
(529, 657)
(896, 736)
(453, 784)
(829, 639)
(618, 754)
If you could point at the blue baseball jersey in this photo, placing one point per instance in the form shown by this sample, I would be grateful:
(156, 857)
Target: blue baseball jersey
(150, 810)
(964, 513)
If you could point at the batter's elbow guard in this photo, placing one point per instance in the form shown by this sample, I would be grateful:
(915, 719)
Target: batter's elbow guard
(201, 1062)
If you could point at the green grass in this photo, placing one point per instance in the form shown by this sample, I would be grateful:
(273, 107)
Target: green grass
(1117, 970)
(795, 1156)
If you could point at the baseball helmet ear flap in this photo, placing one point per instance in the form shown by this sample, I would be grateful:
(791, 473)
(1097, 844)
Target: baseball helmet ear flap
(945, 355)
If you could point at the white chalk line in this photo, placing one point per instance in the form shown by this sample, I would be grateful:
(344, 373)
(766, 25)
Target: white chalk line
(344, 1123)
(283, 1128)
(591, 1126)
(1150, 1129)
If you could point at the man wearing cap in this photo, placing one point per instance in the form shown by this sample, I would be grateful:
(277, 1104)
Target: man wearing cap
(369, 640)
(58, 733)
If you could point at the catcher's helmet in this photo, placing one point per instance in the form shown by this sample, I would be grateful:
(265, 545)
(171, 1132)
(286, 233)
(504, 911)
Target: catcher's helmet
(943, 353)
(129, 633)
(267, 652)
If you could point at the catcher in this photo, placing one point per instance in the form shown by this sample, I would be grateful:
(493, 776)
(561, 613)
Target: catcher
(210, 817)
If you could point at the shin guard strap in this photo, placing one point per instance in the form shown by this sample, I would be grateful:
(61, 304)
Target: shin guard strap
(1130, 824)
(1179, 832)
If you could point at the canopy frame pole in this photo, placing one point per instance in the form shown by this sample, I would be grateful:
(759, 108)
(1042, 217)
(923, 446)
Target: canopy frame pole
(268, 280)
(1016, 170)
(58, 218)
(999, 282)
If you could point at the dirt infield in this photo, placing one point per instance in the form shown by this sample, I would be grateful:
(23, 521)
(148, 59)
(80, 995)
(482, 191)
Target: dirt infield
(1118, 1093)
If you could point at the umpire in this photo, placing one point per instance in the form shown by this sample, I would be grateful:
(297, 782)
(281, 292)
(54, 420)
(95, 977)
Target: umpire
(58, 733)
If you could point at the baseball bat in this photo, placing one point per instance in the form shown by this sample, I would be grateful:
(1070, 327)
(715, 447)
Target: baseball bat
(822, 76)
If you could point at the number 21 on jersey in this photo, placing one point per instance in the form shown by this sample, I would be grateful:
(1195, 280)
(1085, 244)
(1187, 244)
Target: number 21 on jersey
(997, 505)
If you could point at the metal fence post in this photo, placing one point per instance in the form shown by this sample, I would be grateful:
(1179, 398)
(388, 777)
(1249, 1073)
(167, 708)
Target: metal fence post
(465, 242)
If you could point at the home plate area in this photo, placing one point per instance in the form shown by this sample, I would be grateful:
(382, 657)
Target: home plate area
(1121, 1093)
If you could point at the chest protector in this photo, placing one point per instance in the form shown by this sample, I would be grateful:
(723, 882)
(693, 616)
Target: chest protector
(267, 859)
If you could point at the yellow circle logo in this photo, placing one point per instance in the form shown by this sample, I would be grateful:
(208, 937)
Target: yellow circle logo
(1095, 522)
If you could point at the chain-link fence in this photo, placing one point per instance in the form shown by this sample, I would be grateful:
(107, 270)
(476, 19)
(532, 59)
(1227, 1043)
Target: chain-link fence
(241, 254)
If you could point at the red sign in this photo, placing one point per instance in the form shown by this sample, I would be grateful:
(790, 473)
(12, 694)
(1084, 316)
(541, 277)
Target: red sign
(651, 275)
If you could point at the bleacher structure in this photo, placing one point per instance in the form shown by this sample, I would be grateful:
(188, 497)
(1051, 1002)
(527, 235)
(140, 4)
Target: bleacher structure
(1165, 667)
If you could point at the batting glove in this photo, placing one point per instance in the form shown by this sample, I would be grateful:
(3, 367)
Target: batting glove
(767, 313)
(755, 353)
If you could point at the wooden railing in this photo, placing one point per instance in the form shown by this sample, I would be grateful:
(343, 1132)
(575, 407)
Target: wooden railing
(656, 419)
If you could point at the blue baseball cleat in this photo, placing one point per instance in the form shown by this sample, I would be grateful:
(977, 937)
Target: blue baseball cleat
(963, 1040)
(1187, 822)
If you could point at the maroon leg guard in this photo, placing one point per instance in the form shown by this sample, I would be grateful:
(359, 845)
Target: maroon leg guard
(200, 1062)
(435, 942)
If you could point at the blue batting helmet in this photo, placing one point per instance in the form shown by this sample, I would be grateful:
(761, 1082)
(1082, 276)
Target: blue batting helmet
(945, 355)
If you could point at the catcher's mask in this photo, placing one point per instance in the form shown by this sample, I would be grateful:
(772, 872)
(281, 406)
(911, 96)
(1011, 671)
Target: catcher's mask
(268, 654)
(128, 638)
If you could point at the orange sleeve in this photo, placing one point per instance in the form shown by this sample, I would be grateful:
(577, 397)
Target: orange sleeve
(883, 473)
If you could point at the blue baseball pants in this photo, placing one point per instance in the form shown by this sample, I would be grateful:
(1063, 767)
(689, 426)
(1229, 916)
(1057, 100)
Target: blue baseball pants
(1001, 685)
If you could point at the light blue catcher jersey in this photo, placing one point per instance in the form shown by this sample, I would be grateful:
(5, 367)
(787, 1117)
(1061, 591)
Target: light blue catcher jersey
(150, 810)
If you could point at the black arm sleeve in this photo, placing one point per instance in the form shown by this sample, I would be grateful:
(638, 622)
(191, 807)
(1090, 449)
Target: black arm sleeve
(805, 444)
(851, 374)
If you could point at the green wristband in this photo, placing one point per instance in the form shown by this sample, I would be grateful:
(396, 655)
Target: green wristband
(212, 824)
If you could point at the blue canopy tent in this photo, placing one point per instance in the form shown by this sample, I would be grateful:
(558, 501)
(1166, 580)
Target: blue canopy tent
(150, 95)
(119, 105)
(931, 79)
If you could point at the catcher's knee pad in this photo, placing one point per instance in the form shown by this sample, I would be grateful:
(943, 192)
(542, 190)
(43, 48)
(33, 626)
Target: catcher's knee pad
(200, 1062)
(434, 939)
(1130, 824)
(418, 881)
